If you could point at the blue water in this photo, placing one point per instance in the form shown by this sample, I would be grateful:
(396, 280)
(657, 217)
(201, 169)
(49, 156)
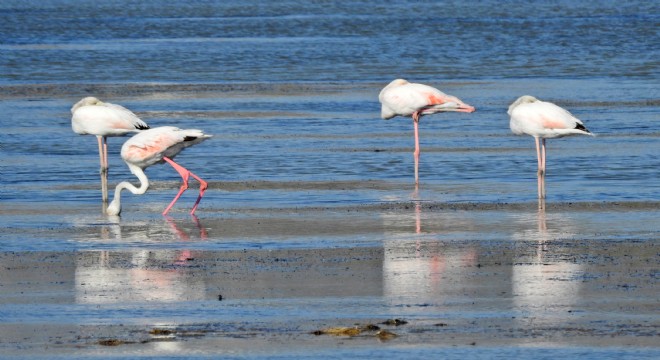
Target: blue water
(194, 41)
(289, 91)
(295, 95)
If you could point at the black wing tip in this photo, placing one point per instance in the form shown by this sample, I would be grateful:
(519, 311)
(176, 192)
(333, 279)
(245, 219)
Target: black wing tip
(582, 127)
(190, 138)
(142, 127)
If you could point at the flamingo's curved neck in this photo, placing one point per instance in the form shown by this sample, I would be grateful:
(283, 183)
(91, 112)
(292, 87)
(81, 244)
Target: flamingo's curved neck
(115, 206)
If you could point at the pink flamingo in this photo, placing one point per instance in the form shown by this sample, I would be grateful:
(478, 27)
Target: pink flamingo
(403, 98)
(153, 146)
(543, 120)
(94, 117)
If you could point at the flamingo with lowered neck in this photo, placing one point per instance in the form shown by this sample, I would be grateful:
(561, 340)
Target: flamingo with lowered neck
(153, 146)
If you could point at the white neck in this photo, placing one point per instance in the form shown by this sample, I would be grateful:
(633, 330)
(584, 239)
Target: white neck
(115, 206)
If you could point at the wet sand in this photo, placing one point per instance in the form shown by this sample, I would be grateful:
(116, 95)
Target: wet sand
(475, 279)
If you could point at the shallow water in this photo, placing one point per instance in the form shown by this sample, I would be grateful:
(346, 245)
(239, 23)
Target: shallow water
(184, 41)
(322, 136)
(301, 161)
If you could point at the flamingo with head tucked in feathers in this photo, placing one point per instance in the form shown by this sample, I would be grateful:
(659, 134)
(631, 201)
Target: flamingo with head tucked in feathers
(543, 120)
(153, 146)
(94, 117)
(403, 98)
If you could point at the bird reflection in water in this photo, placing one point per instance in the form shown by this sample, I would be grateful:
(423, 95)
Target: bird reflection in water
(543, 281)
(418, 210)
(140, 275)
(542, 230)
(182, 234)
(114, 231)
(420, 267)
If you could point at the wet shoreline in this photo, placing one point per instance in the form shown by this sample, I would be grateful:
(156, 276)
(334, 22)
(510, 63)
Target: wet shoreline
(480, 294)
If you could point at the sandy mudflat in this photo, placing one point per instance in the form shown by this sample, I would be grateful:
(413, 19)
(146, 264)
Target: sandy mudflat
(484, 280)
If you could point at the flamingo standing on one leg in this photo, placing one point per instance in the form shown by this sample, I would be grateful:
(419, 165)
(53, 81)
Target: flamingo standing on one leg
(92, 116)
(403, 98)
(543, 120)
(152, 146)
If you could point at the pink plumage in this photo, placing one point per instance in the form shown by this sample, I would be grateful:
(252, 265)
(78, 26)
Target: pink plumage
(542, 120)
(403, 98)
(153, 146)
(91, 116)
(95, 117)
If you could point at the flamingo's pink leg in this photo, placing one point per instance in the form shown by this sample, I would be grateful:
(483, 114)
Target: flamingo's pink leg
(415, 117)
(203, 185)
(106, 165)
(543, 155)
(185, 174)
(543, 168)
(540, 154)
(100, 141)
(103, 157)
(105, 153)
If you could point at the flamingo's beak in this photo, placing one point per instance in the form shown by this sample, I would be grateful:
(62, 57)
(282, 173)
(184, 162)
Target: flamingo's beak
(458, 106)
(466, 108)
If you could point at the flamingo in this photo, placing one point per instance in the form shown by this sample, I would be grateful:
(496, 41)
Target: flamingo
(94, 117)
(153, 146)
(543, 120)
(402, 98)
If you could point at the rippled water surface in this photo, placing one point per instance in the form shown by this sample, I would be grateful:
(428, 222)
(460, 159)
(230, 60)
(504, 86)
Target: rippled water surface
(289, 89)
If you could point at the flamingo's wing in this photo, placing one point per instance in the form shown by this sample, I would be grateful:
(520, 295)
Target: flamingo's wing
(552, 116)
(127, 117)
(545, 119)
(406, 99)
(149, 147)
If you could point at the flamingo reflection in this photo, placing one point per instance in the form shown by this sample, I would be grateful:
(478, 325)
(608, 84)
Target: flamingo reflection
(182, 234)
(546, 282)
(418, 210)
(418, 268)
(105, 277)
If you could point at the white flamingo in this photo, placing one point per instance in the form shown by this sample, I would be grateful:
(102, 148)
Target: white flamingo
(543, 120)
(94, 117)
(402, 98)
(153, 146)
